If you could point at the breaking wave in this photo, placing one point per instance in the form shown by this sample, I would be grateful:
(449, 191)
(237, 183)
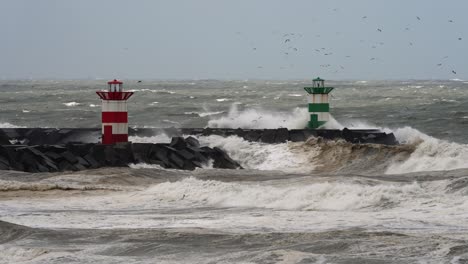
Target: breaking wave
(431, 154)
(9, 125)
(328, 196)
(418, 152)
(71, 104)
(258, 118)
(42, 186)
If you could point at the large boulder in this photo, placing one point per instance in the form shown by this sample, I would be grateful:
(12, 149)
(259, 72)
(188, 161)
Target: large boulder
(223, 161)
(178, 143)
(4, 138)
(252, 135)
(296, 135)
(282, 135)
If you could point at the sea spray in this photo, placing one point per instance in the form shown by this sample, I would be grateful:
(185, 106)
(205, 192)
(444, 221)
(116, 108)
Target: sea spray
(259, 118)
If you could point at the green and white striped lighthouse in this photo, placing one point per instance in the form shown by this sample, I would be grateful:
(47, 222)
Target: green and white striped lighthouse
(319, 108)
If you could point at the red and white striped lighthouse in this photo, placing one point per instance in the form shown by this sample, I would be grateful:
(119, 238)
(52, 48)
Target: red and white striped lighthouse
(114, 113)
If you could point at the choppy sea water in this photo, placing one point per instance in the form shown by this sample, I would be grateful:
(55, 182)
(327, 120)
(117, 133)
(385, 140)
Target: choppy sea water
(310, 202)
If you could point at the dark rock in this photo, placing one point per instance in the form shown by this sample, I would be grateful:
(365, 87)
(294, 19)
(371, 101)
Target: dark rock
(176, 161)
(79, 167)
(198, 155)
(239, 132)
(41, 168)
(207, 131)
(4, 161)
(11, 133)
(160, 152)
(91, 161)
(83, 162)
(52, 137)
(110, 156)
(192, 142)
(64, 165)
(53, 155)
(28, 160)
(79, 149)
(36, 136)
(4, 138)
(178, 143)
(349, 136)
(328, 133)
(70, 157)
(296, 136)
(253, 135)
(189, 165)
(185, 154)
(97, 152)
(124, 153)
(4, 166)
(223, 161)
(282, 135)
(268, 136)
(141, 152)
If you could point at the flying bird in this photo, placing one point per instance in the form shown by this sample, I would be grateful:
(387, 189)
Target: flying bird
(379, 30)
(439, 64)
(451, 21)
(454, 72)
(364, 17)
(372, 59)
(459, 38)
(287, 40)
(418, 18)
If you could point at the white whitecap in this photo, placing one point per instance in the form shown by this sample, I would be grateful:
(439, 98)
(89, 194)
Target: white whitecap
(71, 104)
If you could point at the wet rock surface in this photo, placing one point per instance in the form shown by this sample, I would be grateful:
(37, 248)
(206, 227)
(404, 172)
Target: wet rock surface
(183, 154)
(74, 149)
(51, 136)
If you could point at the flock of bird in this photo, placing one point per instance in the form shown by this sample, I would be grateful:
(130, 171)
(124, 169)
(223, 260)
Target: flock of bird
(289, 48)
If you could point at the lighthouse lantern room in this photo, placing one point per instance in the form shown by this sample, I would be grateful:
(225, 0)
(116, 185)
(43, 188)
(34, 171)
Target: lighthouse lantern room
(114, 113)
(319, 108)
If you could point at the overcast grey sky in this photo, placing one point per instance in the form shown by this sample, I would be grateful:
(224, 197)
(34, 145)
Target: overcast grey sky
(237, 39)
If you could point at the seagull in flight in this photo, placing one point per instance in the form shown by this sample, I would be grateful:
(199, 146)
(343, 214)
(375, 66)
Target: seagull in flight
(287, 40)
(454, 72)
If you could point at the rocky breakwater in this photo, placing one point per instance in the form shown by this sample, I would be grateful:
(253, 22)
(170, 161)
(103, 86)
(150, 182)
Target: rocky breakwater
(181, 153)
